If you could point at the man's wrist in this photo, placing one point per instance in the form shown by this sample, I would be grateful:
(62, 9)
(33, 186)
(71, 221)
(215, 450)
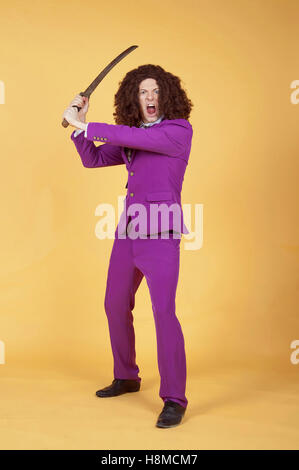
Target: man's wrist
(80, 125)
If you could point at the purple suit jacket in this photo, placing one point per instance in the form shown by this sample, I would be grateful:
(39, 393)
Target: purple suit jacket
(155, 172)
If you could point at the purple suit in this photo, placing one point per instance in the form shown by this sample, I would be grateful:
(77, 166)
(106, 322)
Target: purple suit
(155, 175)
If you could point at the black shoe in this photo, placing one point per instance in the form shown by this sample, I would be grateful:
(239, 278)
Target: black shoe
(171, 415)
(118, 387)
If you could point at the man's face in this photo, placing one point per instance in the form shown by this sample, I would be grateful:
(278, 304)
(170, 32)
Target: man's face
(149, 94)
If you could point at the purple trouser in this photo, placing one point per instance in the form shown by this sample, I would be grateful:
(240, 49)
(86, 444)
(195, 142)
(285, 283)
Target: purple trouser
(158, 260)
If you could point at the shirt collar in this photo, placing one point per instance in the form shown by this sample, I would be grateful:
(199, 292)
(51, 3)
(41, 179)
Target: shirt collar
(148, 124)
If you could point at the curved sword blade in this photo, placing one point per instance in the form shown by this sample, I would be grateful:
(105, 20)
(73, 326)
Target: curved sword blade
(107, 69)
(100, 77)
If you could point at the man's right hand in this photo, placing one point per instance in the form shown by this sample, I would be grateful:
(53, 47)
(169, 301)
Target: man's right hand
(83, 103)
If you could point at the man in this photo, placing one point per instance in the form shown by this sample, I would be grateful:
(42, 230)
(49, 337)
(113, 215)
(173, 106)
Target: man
(152, 137)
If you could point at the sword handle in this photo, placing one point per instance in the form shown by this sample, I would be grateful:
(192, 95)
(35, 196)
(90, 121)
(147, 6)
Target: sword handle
(65, 123)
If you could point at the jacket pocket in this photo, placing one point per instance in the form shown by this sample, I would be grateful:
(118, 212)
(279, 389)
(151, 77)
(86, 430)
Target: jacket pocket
(159, 196)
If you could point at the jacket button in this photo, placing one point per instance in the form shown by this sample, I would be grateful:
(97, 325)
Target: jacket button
(132, 173)
(131, 194)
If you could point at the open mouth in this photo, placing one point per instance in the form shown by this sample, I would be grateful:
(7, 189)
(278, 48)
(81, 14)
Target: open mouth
(151, 109)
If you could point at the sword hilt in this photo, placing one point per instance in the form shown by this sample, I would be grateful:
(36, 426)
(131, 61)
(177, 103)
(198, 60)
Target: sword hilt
(65, 123)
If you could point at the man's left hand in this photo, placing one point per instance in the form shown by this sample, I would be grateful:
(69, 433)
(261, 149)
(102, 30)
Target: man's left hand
(71, 115)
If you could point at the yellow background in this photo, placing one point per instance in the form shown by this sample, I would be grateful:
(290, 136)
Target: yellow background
(237, 297)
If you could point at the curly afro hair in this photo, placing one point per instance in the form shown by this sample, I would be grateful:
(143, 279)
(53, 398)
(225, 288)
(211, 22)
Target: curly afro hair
(173, 100)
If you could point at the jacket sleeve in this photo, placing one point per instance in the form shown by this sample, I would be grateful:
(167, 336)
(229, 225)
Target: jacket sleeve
(172, 139)
(92, 156)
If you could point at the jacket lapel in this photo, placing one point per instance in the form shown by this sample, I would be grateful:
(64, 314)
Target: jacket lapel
(125, 156)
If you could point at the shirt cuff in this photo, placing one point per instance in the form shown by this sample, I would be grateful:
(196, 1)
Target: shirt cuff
(78, 131)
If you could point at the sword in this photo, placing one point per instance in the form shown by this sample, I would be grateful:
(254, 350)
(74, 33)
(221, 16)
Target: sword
(100, 77)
